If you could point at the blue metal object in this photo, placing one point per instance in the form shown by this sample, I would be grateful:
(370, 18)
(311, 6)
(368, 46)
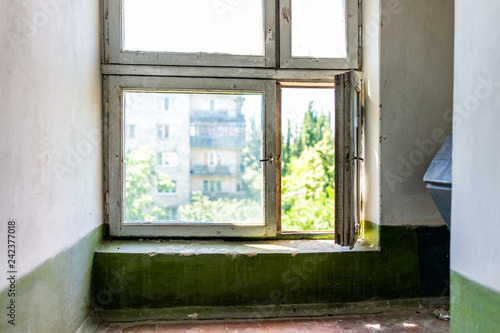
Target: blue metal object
(438, 178)
(442, 198)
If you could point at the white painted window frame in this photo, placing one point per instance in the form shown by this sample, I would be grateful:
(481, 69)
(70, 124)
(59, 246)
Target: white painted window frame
(352, 40)
(115, 86)
(114, 53)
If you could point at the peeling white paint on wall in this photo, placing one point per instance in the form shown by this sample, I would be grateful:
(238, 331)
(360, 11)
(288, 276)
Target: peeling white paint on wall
(50, 128)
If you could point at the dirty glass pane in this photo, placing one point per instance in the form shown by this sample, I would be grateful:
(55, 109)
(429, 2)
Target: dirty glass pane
(196, 162)
(308, 163)
(318, 28)
(232, 27)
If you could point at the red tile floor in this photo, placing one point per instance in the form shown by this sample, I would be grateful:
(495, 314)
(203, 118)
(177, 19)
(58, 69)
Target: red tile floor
(422, 320)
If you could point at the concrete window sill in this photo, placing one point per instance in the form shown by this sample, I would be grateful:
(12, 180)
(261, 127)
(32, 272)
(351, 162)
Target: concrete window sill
(232, 248)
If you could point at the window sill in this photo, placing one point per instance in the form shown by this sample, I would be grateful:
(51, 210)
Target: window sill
(232, 248)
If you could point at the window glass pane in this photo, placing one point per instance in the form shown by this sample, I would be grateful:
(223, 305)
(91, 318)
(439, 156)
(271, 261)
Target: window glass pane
(308, 163)
(232, 27)
(208, 172)
(318, 28)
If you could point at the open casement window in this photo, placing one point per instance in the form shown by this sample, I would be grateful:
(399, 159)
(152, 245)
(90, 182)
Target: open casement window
(348, 160)
(202, 85)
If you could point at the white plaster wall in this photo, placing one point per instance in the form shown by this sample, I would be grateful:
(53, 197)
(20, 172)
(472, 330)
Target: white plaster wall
(50, 127)
(371, 74)
(476, 120)
(416, 87)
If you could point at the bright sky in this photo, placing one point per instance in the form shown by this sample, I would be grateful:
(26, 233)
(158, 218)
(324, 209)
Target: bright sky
(296, 100)
(231, 26)
(318, 28)
(220, 26)
(294, 104)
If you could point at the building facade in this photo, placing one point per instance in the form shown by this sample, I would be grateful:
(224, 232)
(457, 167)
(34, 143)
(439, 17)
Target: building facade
(197, 142)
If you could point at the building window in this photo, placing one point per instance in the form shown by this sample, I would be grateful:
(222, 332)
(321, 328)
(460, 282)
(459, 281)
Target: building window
(211, 159)
(163, 132)
(167, 158)
(241, 79)
(168, 214)
(212, 186)
(130, 131)
(166, 103)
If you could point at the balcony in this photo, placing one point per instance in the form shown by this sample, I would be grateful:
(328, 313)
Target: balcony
(215, 116)
(216, 170)
(238, 195)
(217, 142)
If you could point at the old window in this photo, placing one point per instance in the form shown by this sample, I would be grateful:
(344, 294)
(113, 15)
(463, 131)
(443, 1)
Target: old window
(228, 71)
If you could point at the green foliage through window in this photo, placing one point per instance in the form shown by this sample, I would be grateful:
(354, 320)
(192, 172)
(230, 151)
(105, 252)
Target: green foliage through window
(308, 184)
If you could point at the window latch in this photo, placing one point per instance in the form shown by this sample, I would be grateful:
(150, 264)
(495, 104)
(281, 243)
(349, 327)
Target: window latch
(270, 159)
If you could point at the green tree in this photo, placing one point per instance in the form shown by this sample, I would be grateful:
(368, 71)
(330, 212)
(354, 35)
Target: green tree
(308, 195)
(286, 148)
(202, 209)
(308, 191)
(164, 183)
(140, 177)
(314, 126)
(252, 179)
(239, 102)
(297, 146)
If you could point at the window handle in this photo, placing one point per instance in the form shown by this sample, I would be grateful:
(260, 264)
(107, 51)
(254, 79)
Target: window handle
(270, 159)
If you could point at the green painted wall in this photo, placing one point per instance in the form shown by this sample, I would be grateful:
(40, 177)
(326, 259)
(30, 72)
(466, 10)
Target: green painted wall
(474, 308)
(133, 280)
(56, 296)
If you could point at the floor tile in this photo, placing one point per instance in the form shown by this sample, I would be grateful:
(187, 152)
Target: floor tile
(397, 322)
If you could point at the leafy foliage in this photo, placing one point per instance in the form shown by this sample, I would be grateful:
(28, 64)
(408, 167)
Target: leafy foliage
(308, 195)
(308, 183)
(164, 183)
(203, 209)
(252, 178)
(140, 177)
